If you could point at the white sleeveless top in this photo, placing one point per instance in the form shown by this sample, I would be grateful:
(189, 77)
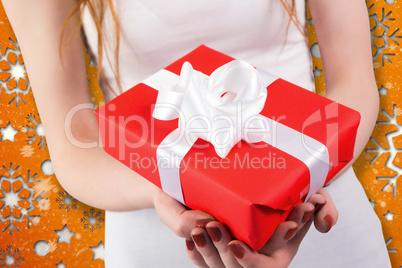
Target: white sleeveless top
(154, 34)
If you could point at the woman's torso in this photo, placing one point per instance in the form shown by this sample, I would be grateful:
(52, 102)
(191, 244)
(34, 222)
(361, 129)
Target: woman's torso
(155, 33)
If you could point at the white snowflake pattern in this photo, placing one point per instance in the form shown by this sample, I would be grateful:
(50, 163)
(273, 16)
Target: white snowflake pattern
(10, 257)
(389, 240)
(66, 201)
(17, 199)
(386, 36)
(35, 131)
(17, 80)
(92, 220)
(392, 150)
(98, 251)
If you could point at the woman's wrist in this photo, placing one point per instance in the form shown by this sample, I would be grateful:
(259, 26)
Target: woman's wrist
(155, 194)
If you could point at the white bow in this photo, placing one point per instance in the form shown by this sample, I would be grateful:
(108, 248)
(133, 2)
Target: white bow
(222, 108)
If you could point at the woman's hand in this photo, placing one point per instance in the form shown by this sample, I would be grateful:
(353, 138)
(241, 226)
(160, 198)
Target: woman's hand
(211, 244)
(176, 216)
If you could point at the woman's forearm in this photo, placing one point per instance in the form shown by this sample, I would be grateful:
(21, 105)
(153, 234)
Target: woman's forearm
(366, 102)
(97, 179)
(60, 85)
(343, 33)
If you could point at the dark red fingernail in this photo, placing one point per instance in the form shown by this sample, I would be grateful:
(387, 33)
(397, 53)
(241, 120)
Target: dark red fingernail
(329, 221)
(199, 239)
(290, 233)
(237, 250)
(202, 223)
(214, 233)
(318, 207)
(307, 216)
(190, 244)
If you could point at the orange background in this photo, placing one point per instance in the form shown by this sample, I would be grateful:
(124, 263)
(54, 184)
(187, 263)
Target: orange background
(37, 217)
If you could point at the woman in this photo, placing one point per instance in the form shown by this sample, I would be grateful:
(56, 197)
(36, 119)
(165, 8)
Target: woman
(153, 34)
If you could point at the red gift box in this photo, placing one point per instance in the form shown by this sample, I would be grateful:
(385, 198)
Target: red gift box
(256, 185)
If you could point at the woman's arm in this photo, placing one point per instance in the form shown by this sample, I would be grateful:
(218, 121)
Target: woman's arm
(90, 175)
(343, 33)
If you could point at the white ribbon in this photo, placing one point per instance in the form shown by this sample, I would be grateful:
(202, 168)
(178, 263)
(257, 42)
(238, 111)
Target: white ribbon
(223, 109)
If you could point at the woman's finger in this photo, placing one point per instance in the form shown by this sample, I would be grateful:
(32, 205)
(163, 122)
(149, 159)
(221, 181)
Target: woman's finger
(248, 258)
(301, 213)
(293, 245)
(286, 230)
(318, 200)
(176, 216)
(279, 258)
(194, 255)
(327, 215)
(221, 237)
(206, 248)
(283, 233)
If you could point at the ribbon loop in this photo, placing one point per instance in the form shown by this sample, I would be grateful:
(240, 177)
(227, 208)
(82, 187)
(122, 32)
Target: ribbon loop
(227, 98)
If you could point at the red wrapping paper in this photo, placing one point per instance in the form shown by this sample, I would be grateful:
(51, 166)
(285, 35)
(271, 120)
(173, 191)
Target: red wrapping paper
(253, 189)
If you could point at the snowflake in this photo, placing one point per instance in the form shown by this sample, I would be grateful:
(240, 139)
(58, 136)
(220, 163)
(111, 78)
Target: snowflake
(13, 77)
(389, 240)
(16, 199)
(92, 220)
(66, 201)
(391, 149)
(380, 35)
(10, 257)
(35, 128)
